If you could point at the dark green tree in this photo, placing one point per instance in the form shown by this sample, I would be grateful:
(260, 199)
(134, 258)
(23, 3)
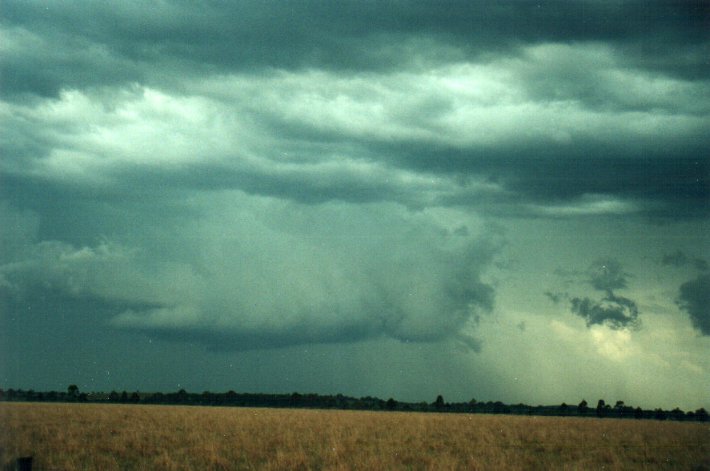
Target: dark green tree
(583, 407)
(472, 405)
(638, 413)
(73, 391)
(677, 414)
(601, 408)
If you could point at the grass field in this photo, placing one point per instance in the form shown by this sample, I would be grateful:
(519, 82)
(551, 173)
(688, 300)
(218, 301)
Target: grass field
(118, 437)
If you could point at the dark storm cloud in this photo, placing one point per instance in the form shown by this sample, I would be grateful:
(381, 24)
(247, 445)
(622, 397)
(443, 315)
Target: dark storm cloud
(256, 274)
(694, 298)
(90, 43)
(555, 297)
(681, 259)
(401, 308)
(607, 275)
(213, 142)
(616, 312)
(258, 339)
(615, 64)
(670, 179)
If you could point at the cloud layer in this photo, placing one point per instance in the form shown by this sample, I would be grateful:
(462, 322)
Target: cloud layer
(276, 103)
(269, 275)
(694, 298)
(617, 312)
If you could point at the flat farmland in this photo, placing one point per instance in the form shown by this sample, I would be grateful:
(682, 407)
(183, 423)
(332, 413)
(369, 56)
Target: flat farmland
(119, 437)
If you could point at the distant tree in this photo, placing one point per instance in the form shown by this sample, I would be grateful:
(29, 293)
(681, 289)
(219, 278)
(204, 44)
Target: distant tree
(439, 403)
(564, 408)
(701, 415)
(73, 391)
(601, 406)
(113, 396)
(638, 413)
(157, 398)
(124, 396)
(207, 398)
(677, 414)
(619, 408)
(583, 407)
(83, 397)
(135, 398)
(391, 404)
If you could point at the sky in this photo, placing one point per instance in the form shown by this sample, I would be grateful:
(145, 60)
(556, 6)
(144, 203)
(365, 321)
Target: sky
(491, 200)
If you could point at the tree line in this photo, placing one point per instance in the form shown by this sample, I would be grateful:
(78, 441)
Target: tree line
(339, 401)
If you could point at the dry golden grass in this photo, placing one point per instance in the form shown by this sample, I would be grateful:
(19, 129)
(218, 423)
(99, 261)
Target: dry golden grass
(119, 437)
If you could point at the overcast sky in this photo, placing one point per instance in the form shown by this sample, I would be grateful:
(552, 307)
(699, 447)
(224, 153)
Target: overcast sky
(491, 200)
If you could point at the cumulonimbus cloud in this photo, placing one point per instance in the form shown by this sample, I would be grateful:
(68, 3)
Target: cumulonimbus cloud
(266, 275)
(694, 298)
(680, 259)
(612, 310)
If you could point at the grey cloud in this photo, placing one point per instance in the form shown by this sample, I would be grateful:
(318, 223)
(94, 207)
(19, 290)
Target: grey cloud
(410, 120)
(555, 297)
(327, 177)
(128, 39)
(701, 264)
(552, 172)
(680, 259)
(694, 298)
(245, 339)
(607, 275)
(675, 259)
(330, 154)
(263, 274)
(616, 312)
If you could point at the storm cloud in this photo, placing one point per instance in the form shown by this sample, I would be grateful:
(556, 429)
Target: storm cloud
(612, 310)
(694, 298)
(680, 259)
(270, 179)
(311, 101)
(615, 311)
(268, 275)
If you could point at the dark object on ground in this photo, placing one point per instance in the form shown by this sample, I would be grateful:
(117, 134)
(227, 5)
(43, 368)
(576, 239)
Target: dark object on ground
(24, 464)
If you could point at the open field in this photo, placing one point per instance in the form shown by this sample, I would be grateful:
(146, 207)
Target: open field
(113, 437)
